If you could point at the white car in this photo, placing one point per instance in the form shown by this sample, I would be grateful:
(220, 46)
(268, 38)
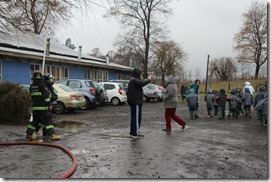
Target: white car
(115, 93)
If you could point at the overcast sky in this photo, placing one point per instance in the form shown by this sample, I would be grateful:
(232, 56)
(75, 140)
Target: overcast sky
(201, 27)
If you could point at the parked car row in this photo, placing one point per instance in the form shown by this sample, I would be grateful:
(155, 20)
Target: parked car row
(85, 94)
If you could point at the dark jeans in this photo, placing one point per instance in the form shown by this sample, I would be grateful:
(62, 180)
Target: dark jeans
(215, 109)
(221, 112)
(136, 115)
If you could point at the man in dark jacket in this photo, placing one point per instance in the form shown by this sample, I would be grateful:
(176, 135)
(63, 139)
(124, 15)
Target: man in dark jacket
(135, 100)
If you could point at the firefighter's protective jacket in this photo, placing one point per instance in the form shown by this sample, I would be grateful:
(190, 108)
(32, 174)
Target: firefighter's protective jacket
(40, 95)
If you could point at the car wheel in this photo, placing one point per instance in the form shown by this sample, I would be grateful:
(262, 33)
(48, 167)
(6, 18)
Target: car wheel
(115, 101)
(86, 106)
(59, 108)
(145, 98)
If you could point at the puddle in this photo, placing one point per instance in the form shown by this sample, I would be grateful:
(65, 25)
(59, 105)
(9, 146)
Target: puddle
(70, 126)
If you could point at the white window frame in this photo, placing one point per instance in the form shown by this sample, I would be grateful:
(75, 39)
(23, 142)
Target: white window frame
(49, 69)
(96, 75)
(35, 69)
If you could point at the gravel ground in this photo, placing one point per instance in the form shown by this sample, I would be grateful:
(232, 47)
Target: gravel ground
(207, 149)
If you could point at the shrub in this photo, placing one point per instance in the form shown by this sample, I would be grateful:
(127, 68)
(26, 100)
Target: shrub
(15, 103)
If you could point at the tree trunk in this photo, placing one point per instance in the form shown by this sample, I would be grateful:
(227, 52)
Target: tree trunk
(257, 71)
(163, 79)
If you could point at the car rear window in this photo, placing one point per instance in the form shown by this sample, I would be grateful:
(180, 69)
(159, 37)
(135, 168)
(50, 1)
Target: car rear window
(66, 88)
(89, 83)
(151, 87)
(109, 86)
(121, 87)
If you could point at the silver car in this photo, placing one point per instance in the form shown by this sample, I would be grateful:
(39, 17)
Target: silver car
(156, 88)
(149, 95)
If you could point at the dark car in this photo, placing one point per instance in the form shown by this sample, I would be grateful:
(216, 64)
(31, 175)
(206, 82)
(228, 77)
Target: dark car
(87, 87)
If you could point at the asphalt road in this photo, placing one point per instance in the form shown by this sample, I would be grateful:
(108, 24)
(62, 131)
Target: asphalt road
(206, 149)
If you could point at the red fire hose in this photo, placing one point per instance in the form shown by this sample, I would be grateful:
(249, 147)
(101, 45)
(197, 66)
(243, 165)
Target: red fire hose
(74, 164)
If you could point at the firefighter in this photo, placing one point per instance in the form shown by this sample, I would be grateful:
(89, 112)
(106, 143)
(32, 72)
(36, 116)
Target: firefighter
(42, 105)
(49, 81)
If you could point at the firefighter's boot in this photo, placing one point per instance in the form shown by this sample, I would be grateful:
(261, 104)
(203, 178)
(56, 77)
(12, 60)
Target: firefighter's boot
(30, 137)
(37, 132)
(55, 137)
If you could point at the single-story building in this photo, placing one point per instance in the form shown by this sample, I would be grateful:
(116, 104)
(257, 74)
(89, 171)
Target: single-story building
(23, 53)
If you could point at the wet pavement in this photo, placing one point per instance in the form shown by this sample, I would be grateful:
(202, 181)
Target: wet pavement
(99, 138)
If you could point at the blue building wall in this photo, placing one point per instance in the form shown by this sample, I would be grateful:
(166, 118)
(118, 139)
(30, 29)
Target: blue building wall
(18, 72)
(76, 72)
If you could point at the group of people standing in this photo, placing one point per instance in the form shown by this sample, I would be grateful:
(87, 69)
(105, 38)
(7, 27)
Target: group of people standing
(42, 95)
(240, 103)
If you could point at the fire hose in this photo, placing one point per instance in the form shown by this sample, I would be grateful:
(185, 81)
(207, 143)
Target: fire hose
(74, 163)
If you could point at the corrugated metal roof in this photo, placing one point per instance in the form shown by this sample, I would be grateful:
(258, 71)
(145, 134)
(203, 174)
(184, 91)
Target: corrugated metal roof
(33, 44)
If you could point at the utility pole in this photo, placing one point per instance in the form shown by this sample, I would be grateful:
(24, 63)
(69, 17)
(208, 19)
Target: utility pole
(46, 51)
(207, 74)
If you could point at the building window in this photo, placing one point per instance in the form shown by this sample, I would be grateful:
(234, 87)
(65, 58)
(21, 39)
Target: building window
(64, 73)
(88, 74)
(57, 71)
(34, 67)
(96, 75)
(105, 76)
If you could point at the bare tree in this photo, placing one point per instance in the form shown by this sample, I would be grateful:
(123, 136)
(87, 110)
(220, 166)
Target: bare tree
(34, 15)
(244, 70)
(223, 68)
(144, 20)
(31, 15)
(69, 44)
(168, 57)
(128, 49)
(251, 41)
(96, 53)
(182, 74)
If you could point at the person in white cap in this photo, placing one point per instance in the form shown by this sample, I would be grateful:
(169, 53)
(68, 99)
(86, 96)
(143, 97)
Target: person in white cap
(250, 87)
